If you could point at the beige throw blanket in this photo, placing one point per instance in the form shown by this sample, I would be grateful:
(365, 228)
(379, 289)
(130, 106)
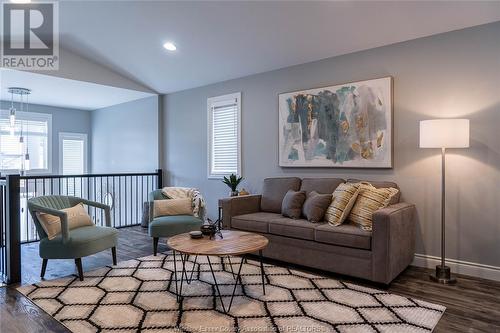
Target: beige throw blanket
(187, 192)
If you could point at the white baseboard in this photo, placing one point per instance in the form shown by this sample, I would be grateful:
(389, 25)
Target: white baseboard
(459, 266)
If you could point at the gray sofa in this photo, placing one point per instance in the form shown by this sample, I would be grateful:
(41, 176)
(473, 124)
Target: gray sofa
(378, 255)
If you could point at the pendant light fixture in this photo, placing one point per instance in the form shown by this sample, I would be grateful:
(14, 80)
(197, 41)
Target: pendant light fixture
(12, 113)
(21, 137)
(27, 155)
(12, 119)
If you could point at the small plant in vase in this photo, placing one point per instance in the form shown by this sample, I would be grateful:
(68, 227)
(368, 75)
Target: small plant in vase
(233, 181)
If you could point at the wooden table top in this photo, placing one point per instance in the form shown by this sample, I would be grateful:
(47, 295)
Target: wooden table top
(233, 243)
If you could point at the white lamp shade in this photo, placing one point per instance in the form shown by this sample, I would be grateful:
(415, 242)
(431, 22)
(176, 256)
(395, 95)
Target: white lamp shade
(444, 133)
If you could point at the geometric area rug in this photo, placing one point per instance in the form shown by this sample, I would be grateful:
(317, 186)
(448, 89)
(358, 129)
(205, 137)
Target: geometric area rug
(137, 296)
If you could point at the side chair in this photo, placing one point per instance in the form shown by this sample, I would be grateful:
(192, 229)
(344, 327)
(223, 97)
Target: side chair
(167, 226)
(76, 243)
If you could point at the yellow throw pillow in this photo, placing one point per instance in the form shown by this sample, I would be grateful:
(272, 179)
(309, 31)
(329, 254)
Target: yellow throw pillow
(343, 200)
(170, 207)
(77, 217)
(369, 200)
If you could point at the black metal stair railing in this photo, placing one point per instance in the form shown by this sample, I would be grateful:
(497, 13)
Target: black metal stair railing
(10, 243)
(125, 193)
(3, 226)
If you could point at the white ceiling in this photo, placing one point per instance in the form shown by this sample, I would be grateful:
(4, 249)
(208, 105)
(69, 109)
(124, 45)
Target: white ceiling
(55, 91)
(218, 41)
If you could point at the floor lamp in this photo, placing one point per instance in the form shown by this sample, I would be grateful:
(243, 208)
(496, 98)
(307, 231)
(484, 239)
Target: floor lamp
(444, 133)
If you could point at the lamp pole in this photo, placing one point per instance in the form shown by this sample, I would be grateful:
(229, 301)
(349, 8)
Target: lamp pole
(443, 272)
(443, 201)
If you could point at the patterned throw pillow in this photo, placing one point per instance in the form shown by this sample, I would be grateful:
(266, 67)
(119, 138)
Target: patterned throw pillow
(169, 207)
(369, 200)
(77, 217)
(344, 198)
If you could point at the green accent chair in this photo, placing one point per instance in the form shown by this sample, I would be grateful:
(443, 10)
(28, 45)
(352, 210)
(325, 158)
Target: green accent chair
(75, 243)
(167, 226)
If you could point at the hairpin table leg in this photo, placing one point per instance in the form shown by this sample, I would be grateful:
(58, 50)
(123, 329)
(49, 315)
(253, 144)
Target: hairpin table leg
(216, 284)
(175, 277)
(262, 273)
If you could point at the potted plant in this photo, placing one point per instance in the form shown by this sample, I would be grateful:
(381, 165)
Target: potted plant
(233, 181)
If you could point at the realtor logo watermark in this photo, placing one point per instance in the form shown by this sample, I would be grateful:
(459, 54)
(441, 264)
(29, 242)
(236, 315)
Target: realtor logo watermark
(30, 36)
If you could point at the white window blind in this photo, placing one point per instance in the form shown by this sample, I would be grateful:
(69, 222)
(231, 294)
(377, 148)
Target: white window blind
(224, 135)
(72, 153)
(35, 128)
(73, 159)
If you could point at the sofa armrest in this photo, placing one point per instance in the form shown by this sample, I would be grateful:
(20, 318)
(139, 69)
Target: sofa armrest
(393, 242)
(234, 206)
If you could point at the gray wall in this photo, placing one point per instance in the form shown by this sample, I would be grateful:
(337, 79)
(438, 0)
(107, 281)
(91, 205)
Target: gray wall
(125, 137)
(63, 120)
(456, 74)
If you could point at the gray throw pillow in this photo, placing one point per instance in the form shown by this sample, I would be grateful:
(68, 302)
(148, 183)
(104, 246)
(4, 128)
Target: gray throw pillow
(292, 204)
(315, 206)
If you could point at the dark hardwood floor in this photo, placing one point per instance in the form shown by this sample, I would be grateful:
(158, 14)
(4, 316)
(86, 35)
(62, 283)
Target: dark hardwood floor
(473, 305)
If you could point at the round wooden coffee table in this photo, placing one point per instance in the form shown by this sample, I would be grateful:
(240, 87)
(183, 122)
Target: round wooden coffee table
(232, 243)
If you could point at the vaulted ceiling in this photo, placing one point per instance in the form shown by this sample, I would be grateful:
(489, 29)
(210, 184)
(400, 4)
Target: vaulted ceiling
(218, 41)
(61, 92)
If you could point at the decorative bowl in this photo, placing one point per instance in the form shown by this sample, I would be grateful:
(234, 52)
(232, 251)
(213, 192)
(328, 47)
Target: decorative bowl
(196, 234)
(207, 229)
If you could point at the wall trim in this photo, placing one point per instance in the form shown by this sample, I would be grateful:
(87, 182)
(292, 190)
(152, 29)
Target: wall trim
(459, 266)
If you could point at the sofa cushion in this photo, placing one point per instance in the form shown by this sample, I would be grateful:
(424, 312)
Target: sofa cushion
(167, 226)
(320, 185)
(287, 227)
(274, 191)
(343, 235)
(257, 222)
(292, 204)
(84, 241)
(380, 184)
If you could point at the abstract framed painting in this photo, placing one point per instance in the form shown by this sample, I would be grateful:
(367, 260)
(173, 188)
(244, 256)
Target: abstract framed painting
(342, 126)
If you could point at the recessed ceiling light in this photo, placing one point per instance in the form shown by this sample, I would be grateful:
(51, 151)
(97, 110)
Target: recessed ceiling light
(170, 46)
(20, 1)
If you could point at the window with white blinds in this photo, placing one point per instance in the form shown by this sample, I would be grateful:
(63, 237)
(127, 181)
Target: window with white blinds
(36, 132)
(224, 137)
(72, 153)
(72, 160)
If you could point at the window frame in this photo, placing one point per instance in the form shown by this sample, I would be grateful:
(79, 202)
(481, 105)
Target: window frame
(33, 116)
(210, 102)
(73, 136)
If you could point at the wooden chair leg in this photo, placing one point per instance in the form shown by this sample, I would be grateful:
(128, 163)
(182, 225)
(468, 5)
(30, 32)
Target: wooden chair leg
(78, 262)
(113, 253)
(155, 245)
(44, 267)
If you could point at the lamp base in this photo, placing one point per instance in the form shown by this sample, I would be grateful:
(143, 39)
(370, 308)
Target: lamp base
(443, 275)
